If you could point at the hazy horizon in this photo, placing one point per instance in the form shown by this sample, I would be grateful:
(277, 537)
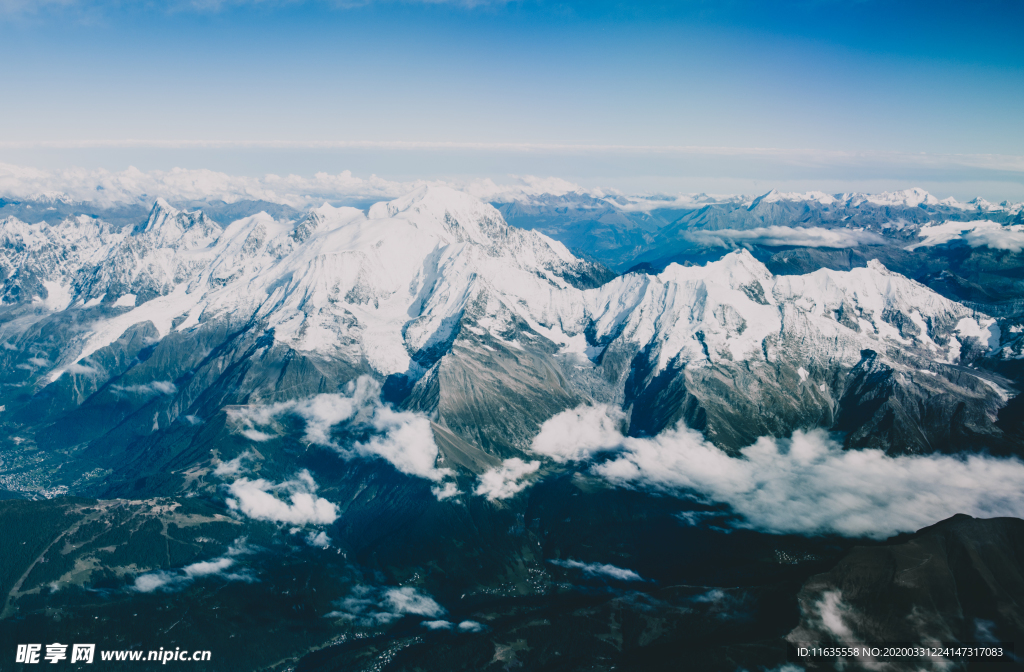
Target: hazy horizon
(735, 97)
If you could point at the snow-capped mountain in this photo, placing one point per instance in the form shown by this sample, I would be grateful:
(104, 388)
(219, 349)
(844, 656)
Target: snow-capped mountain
(487, 329)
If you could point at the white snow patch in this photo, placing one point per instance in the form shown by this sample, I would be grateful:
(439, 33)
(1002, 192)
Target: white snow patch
(58, 296)
(985, 330)
(125, 301)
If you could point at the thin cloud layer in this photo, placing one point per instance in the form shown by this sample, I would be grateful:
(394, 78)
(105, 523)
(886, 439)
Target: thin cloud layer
(155, 388)
(980, 233)
(463, 626)
(294, 501)
(596, 569)
(808, 484)
(783, 236)
(107, 188)
(235, 466)
(1009, 238)
(368, 606)
(17, 8)
(174, 580)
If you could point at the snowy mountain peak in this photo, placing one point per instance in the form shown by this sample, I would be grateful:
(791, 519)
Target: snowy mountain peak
(162, 204)
(775, 196)
(878, 267)
(907, 197)
(445, 212)
(770, 197)
(167, 226)
(737, 269)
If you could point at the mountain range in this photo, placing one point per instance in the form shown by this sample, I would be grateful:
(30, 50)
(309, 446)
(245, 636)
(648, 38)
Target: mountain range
(422, 390)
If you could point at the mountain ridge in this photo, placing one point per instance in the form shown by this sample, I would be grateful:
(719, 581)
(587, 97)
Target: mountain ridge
(486, 329)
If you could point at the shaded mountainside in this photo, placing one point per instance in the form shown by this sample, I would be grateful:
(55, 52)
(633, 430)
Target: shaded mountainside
(122, 573)
(960, 580)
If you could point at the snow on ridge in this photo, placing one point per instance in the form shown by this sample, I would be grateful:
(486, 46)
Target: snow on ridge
(734, 309)
(775, 196)
(383, 284)
(333, 280)
(908, 197)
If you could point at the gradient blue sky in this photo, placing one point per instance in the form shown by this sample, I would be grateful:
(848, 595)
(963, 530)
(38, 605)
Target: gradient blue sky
(732, 95)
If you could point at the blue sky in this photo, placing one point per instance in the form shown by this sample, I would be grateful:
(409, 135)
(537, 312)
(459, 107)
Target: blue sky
(680, 96)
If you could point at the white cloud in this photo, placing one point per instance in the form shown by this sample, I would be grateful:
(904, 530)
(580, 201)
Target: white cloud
(14, 8)
(256, 435)
(524, 187)
(368, 606)
(104, 188)
(171, 580)
(809, 485)
(445, 490)
(156, 387)
(979, 233)
(408, 600)
(403, 438)
(1009, 238)
(599, 569)
(35, 363)
(81, 369)
(207, 568)
(506, 480)
(258, 499)
(785, 236)
(464, 626)
(326, 410)
(438, 625)
(94, 10)
(726, 604)
(235, 466)
(406, 441)
(687, 202)
(320, 540)
(579, 433)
